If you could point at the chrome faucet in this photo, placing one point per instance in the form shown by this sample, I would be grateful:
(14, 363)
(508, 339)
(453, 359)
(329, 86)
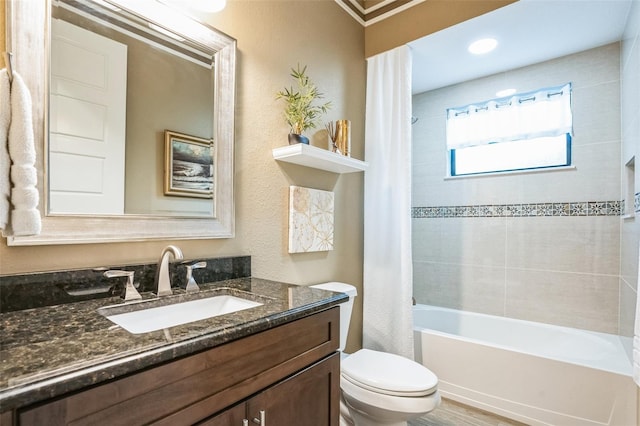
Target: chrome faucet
(163, 281)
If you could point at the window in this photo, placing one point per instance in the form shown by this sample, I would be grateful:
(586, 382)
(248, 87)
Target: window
(523, 132)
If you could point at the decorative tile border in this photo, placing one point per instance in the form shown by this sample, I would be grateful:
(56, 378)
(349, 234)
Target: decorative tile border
(591, 208)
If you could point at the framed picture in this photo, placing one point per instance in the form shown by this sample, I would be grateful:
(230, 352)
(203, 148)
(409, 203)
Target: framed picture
(311, 214)
(189, 166)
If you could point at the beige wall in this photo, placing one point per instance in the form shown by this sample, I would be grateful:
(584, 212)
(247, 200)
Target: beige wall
(554, 269)
(272, 37)
(423, 19)
(159, 101)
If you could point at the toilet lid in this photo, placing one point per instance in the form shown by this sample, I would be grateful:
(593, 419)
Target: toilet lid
(388, 374)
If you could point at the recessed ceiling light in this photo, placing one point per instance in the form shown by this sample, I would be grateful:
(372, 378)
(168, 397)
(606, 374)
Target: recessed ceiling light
(506, 92)
(482, 46)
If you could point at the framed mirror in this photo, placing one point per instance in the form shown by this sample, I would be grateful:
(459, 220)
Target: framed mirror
(162, 52)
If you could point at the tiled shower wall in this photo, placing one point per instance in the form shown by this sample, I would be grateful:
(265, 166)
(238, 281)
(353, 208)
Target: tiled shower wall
(630, 129)
(543, 246)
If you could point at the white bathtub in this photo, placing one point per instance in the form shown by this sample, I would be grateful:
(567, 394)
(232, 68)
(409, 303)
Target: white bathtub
(535, 373)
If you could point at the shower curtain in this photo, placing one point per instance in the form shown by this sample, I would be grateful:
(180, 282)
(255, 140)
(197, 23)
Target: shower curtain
(388, 275)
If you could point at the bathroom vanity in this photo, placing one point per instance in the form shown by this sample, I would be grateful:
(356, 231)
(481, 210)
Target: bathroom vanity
(273, 364)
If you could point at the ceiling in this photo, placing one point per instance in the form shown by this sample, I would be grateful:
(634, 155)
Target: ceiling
(528, 32)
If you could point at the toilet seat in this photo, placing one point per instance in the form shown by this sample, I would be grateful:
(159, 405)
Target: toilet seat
(388, 374)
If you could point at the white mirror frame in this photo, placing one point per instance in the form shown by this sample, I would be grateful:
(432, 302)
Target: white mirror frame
(28, 24)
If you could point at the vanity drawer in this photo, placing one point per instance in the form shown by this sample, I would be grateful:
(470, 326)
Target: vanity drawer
(198, 385)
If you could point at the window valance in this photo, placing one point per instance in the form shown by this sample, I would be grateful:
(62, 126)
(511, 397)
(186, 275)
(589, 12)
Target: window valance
(545, 112)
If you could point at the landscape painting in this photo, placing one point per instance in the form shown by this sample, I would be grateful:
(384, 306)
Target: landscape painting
(189, 166)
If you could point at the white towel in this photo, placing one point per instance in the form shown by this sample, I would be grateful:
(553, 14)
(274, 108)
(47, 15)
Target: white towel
(25, 216)
(5, 162)
(636, 337)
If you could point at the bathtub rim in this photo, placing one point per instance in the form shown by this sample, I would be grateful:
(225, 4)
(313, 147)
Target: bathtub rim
(623, 342)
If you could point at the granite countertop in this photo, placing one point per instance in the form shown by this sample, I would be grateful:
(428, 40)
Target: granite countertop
(49, 351)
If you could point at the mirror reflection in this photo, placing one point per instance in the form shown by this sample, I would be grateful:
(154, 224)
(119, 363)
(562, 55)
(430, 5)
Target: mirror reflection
(117, 84)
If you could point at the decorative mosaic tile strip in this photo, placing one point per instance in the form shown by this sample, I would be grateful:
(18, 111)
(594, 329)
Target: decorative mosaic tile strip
(591, 208)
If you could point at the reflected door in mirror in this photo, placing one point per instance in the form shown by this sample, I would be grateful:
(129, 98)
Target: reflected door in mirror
(88, 114)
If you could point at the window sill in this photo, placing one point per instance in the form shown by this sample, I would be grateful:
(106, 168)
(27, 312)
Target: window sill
(513, 172)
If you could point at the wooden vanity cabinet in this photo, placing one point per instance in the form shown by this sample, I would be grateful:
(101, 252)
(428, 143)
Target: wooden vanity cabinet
(307, 398)
(291, 372)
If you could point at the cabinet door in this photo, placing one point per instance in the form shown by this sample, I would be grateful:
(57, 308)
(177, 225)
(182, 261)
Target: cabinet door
(6, 418)
(308, 398)
(230, 417)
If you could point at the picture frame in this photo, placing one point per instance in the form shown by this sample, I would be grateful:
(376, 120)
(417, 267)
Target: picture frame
(189, 165)
(311, 220)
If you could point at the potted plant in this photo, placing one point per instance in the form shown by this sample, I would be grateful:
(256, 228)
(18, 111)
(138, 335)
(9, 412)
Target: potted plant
(300, 111)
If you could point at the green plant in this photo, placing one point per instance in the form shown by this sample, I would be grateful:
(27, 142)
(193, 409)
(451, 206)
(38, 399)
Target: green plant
(300, 113)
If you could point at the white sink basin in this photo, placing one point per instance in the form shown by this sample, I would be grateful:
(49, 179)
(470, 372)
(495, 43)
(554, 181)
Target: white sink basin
(151, 319)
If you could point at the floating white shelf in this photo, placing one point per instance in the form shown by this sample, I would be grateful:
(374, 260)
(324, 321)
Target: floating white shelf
(317, 158)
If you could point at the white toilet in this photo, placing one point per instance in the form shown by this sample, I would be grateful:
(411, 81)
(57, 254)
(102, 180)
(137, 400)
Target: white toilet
(379, 388)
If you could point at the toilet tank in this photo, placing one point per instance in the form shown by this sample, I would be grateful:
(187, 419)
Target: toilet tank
(345, 308)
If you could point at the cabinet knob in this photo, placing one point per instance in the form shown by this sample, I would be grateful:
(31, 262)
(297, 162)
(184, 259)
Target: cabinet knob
(245, 422)
(262, 420)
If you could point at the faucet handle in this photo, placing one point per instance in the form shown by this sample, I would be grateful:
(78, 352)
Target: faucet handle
(192, 286)
(198, 265)
(130, 292)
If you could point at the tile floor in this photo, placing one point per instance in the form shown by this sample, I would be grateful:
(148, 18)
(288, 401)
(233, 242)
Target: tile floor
(451, 413)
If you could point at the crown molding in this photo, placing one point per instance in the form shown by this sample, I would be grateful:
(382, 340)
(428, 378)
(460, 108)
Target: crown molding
(376, 13)
(353, 9)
